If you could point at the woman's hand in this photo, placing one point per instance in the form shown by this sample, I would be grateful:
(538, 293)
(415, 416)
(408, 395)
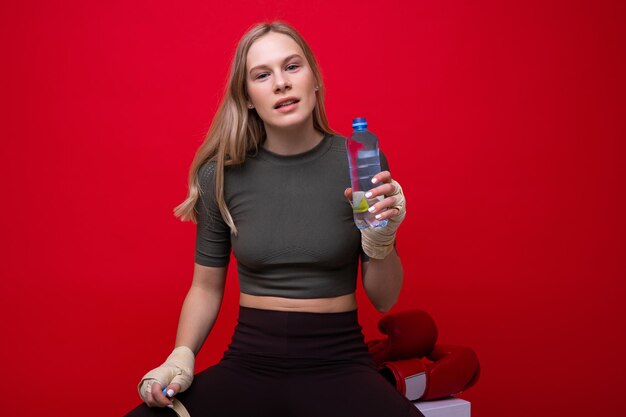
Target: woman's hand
(389, 207)
(176, 372)
(378, 242)
(155, 397)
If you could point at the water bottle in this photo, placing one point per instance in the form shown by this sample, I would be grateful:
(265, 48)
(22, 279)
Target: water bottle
(362, 147)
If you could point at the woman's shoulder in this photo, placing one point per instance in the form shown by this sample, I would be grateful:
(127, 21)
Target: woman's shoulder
(207, 170)
(338, 146)
(207, 166)
(337, 141)
(206, 176)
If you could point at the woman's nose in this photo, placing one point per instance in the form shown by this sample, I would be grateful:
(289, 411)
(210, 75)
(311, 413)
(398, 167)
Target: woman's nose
(281, 83)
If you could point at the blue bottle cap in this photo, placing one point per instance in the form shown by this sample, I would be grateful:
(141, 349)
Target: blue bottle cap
(359, 123)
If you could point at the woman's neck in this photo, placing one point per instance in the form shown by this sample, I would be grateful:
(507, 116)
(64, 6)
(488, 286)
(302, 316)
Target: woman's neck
(292, 141)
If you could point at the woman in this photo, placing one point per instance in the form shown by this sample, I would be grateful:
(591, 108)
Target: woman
(270, 181)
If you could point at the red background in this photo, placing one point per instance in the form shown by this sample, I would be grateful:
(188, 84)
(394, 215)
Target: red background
(503, 121)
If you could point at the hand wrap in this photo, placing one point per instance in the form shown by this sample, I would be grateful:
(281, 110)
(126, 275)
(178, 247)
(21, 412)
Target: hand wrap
(178, 369)
(378, 242)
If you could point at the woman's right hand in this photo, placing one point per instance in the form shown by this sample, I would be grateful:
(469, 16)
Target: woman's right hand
(155, 397)
(176, 373)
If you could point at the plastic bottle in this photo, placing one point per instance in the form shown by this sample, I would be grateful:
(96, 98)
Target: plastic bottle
(364, 161)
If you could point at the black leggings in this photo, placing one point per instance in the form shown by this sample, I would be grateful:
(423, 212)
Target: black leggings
(296, 364)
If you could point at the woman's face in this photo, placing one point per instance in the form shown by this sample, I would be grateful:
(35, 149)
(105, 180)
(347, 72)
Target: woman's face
(277, 69)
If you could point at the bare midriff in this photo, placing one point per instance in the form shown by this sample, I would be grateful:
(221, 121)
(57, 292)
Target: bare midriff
(315, 305)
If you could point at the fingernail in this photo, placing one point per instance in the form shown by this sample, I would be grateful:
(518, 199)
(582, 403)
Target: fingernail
(377, 216)
(368, 194)
(170, 392)
(374, 180)
(170, 405)
(371, 209)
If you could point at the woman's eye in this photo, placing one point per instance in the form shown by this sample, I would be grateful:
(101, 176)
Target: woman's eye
(289, 68)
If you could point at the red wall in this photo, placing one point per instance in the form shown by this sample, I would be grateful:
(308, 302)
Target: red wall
(503, 121)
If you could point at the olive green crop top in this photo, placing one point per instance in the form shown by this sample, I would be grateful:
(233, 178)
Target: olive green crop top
(296, 235)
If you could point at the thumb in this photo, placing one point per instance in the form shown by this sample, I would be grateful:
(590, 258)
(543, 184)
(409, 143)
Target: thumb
(348, 193)
(172, 389)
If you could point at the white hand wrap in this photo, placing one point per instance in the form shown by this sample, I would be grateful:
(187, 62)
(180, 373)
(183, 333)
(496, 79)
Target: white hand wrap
(178, 369)
(377, 242)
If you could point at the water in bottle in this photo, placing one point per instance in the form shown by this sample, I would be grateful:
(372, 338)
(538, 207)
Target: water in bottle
(362, 147)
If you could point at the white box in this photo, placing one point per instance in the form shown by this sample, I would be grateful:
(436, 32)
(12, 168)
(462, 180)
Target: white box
(447, 407)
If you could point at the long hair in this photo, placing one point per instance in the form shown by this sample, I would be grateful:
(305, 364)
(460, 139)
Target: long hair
(235, 130)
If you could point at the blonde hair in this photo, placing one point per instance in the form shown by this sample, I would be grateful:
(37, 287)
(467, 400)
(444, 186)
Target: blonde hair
(235, 130)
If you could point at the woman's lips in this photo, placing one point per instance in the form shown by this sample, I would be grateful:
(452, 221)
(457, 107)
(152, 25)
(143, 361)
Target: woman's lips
(287, 109)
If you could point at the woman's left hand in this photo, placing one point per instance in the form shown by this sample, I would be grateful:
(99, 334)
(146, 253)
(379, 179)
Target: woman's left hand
(391, 206)
(378, 242)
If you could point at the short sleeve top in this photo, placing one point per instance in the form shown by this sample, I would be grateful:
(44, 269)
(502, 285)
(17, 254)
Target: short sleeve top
(296, 233)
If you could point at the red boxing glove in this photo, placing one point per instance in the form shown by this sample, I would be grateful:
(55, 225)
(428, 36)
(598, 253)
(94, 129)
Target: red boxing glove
(411, 334)
(454, 369)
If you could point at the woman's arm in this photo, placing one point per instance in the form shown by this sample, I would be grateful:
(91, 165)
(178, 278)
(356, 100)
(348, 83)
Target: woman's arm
(197, 317)
(382, 280)
(382, 273)
(201, 306)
